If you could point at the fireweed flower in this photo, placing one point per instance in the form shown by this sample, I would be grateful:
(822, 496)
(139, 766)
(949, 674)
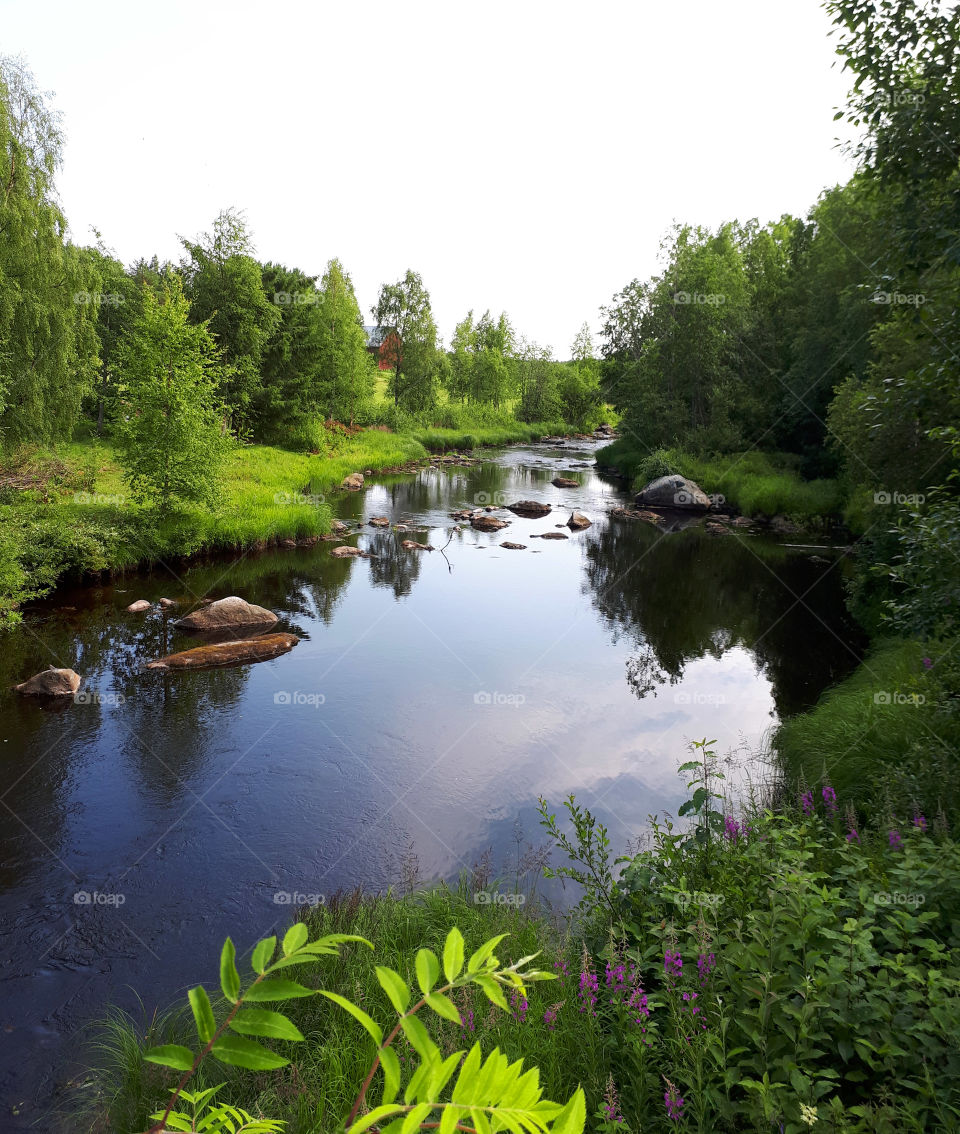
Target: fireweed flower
(731, 829)
(550, 1016)
(920, 822)
(928, 663)
(673, 1102)
(672, 965)
(706, 963)
(806, 802)
(589, 985)
(895, 841)
(518, 1005)
(466, 1019)
(611, 1103)
(829, 799)
(561, 968)
(616, 980)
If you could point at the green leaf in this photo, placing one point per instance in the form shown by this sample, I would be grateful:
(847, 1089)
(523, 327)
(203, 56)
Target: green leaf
(395, 987)
(493, 991)
(229, 977)
(419, 1037)
(329, 943)
(391, 1073)
(276, 988)
(202, 1013)
(263, 1022)
(357, 1013)
(295, 936)
(365, 1121)
(170, 1055)
(262, 953)
(240, 1052)
(453, 955)
(479, 958)
(415, 1117)
(443, 1006)
(428, 969)
(573, 1117)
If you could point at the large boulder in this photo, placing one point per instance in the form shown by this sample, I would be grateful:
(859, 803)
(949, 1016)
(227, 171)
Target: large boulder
(345, 551)
(532, 509)
(226, 613)
(578, 521)
(674, 492)
(50, 683)
(228, 653)
(565, 482)
(354, 481)
(139, 606)
(378, 522)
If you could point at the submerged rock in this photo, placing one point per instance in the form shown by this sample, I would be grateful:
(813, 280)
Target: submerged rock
(354, 480)
(228, 653)
(550, 535)
(412, 545)
(226, 612)
(379, 522)
(514, 546)
(51, 682)
(674, 492)
(139, 606)
(487, 523)
(565, 482)
(530, 508)
(636, 514)
(345, 550)
(578, 521)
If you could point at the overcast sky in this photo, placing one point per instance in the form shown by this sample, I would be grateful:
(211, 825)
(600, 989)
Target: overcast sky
(523, 156)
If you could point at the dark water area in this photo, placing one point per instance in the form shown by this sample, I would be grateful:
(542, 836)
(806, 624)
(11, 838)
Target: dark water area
(432, 699)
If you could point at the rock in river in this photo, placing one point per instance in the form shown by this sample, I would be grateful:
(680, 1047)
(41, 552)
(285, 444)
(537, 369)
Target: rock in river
(229, 653)
(412, 545)
(344, 551)
(487, 523)
(226, 612)
(551, 535)
(530, 508)
(139, 606)
(565, 482)
(514, 546)
(378, 522)
(578, 521)
(674, 492)
(51, 683)
(354, 481)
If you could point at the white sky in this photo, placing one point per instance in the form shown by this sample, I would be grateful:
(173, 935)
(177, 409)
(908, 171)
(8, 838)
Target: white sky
(524, 156)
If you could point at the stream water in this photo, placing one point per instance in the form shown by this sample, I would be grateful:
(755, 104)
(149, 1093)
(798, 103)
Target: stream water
(432, 698)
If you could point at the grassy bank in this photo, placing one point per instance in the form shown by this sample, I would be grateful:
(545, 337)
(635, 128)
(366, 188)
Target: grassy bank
(755, 483)
(887, 736)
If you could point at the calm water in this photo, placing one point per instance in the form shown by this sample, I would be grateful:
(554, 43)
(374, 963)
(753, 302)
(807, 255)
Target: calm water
(432, 699)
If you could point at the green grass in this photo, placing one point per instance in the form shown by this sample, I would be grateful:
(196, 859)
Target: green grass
(316, 1093)
(886, 737)
(755, 483)
(475, 437)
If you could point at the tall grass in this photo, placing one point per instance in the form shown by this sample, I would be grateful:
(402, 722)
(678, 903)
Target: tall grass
(756, 483)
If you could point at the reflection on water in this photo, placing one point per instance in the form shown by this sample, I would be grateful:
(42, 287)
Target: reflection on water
(431, 700)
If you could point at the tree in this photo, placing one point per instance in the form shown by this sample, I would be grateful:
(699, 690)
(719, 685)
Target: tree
(48, 348)
(405, 317)
(224, 284)
(347, 370)
(169, 435)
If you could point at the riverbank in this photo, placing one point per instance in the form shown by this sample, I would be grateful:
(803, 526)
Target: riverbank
(754, 483)
(66, 512)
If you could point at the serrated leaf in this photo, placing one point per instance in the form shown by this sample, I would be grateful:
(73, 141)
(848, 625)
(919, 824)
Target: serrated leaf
(395, 987)
(240, 1052)
(295, 936)
(428, 969)
(453, 955)
(365, 1121)
(170, 1055)
(262, 952)
(262, 1022)
(229, 977)
(443, 1006)
(357, 1013)
(202, 1013)
(276, 988)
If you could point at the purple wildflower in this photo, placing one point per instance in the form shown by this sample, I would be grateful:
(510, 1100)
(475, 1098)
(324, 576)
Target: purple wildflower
(920, 822)
(806, 802)
(616, 979)
(672, 965)
(611, 1104)
(895, 841)
(928, 663)
(589, 986)
(518, 1005)
(638, 1004)
(731, 828)
(466, 1019)
(561, 968)
(829, 799)
(852, 836)
(673, 1101)
(706, 963)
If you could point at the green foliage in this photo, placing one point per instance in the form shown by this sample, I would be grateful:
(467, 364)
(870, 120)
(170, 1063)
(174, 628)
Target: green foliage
(405, 317)
(169, 431)
(484, 1093)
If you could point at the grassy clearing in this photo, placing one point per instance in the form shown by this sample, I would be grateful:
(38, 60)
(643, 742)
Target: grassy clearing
(755, 483)
(317, 1090)
(438, 439)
